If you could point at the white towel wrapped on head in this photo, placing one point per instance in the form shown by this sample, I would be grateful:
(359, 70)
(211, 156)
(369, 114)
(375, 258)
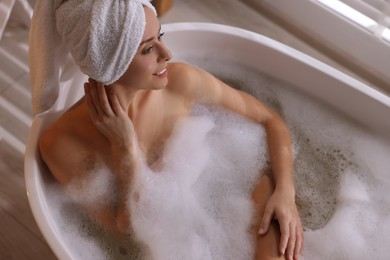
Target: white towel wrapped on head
(102, 36)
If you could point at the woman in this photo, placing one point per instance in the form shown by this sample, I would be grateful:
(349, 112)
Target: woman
(115, 124)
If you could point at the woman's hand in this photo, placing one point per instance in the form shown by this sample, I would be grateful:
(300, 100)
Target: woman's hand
(281, 206)
(112, 120)
(108, 115)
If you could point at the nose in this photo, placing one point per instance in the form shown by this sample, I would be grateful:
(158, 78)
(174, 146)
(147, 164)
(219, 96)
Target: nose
(165, 54)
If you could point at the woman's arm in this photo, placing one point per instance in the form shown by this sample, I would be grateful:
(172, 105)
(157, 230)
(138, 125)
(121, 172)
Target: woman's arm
(113, 122)
(71, 164)
(199, 86)
(71, 159)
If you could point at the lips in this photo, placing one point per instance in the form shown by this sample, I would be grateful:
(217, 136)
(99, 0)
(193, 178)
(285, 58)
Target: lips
(161, 72)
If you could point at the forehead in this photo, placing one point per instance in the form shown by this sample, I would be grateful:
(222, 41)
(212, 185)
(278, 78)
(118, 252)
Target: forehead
(152, 24)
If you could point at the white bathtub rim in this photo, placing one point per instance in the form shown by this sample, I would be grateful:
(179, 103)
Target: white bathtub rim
(35, 193)
(284, 49)
(37, 200)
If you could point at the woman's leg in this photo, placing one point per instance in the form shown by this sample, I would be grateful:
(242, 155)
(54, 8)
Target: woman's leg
(266, 245)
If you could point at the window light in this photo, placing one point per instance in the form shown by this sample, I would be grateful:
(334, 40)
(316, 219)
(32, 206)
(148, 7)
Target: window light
(386, 35)
(350, 13)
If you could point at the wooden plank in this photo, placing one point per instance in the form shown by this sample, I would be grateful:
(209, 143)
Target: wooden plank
(13, 57)
(18, 93)
(5, 11)
(20, 237)
(13, 120)
(13, 198)
(16, 242)
(11, 140)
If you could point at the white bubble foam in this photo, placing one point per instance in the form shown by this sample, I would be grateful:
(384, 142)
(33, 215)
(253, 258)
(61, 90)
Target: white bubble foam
(341, 172)
(83, 238)
(95, 190)
(198, 206)
(342, 176)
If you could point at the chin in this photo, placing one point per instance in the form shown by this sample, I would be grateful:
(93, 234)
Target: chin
(160, 85)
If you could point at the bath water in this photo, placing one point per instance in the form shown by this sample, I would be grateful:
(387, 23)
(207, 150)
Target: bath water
(198, 206)
(341, 174)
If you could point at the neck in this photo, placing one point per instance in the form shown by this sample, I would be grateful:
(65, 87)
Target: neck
(131, 99)
(125, 95)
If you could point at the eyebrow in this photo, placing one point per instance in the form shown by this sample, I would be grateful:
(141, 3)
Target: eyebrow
(149, 39)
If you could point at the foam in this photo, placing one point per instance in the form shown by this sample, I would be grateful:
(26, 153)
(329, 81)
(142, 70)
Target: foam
(86, 239)
(95, 190)
(341, 173)
(197, 206)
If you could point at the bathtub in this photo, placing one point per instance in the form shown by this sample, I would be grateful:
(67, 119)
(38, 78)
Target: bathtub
(208, 45)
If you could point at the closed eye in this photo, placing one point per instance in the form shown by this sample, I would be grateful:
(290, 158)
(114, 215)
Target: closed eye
(151, 47)
(160, 36)
(148, 49)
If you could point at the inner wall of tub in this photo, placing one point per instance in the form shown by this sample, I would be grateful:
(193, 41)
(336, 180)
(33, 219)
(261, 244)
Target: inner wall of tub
(324, 139)
(331, 152)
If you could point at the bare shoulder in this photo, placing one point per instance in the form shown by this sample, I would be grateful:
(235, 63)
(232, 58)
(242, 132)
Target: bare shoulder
(199, 86)
(57, 151)
(67, 152)
(180, 68)
(180, 73)
(188, 80)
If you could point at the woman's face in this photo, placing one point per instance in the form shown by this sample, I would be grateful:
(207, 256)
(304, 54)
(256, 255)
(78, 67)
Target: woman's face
(148, 67)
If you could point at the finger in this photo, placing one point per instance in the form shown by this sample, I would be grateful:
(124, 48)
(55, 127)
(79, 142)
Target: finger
(95, 96)
(303, 240)
(103, 99)
(299, 242)
(285, 233)
(265, 221)
(122, 106)
(115, 104)
(88, 99)
(291, 242)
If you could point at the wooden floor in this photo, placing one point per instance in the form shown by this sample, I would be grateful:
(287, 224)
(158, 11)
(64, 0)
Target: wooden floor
(20, 237)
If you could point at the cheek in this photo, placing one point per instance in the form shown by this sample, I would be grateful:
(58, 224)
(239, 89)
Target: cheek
(146, 69)
(149, 68)
(140, 71)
